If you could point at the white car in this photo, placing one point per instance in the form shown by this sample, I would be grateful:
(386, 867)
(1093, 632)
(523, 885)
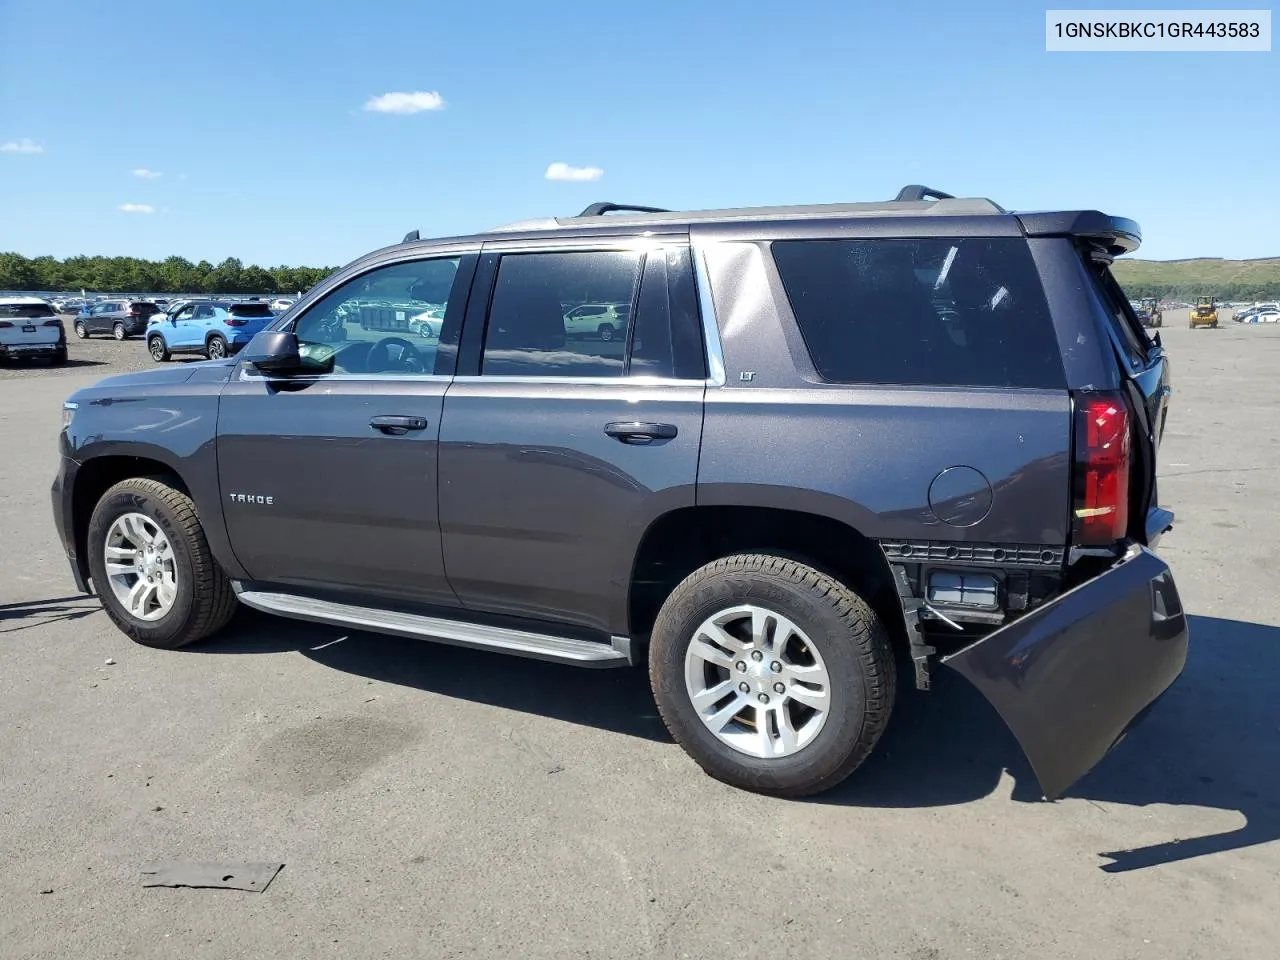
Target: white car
(29, 329)
(1243, 314)
(1263, 316)
(602, 321)
(281, 304)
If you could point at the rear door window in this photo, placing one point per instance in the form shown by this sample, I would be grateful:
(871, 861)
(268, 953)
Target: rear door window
(961, 312)
(534, 292)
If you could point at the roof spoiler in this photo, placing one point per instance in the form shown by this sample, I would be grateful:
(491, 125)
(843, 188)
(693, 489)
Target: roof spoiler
(1118, 234)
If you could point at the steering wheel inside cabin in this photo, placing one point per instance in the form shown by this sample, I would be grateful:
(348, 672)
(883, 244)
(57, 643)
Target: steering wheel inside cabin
(395, 353)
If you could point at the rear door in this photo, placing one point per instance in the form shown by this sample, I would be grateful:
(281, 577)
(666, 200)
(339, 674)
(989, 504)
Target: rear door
(557, 453)
(1144, 366)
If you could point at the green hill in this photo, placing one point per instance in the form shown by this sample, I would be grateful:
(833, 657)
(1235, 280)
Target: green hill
(1185, 279)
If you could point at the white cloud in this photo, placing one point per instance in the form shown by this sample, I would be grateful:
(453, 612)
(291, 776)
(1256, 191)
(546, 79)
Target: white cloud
(142, 173)
(562, 171)
(25, 145)
(137, 208)
(416, 102)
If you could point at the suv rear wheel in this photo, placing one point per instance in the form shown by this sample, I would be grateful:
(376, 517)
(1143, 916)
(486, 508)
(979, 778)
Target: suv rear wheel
(152, 567)
(216, 348)
(117, 331)
(605, 332)
(773, 676)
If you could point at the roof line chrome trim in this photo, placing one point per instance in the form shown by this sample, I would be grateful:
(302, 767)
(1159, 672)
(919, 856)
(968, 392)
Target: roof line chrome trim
(710, 324)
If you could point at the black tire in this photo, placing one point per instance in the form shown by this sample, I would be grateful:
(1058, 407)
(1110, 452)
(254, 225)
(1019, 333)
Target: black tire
(204, 601)
(81, 330)
(59, 357)
(215, 348)
(118, 331)
(161, 354)
(605, 332)
(841, 625)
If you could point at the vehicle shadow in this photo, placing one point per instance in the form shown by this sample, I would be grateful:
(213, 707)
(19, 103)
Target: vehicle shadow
(618, 700)
(1212, 741)
(68, 364)
(35, 613)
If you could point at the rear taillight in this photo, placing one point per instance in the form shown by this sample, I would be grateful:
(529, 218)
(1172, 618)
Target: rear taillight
(52, 323)
(236, 322)
(1101, 481)
(5, 324)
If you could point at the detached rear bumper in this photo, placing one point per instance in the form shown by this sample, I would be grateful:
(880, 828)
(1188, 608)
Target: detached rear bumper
(1072, 677)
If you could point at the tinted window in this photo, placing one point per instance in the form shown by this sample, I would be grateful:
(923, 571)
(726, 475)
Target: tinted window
(964, 312)
(386, 321)
(526, 331)
(25, 311)
(251, 310)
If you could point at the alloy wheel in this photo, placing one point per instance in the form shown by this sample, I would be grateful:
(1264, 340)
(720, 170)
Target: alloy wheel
(140, 566)
(757, 682)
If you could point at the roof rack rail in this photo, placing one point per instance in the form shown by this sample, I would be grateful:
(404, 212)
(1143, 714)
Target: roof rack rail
(916, 191)
(600, 209)
(411, 236)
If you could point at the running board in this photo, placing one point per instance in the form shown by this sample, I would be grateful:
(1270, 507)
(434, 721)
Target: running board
(520, 643)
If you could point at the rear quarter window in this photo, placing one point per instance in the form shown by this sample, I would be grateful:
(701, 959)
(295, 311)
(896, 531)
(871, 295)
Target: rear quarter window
(948, 312)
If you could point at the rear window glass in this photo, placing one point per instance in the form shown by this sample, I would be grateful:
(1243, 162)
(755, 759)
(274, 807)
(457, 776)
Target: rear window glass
(251, 310)
(25, 311)
(141, 306)
(964, 312)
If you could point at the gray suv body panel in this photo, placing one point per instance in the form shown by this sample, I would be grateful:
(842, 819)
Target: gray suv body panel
(528, 498)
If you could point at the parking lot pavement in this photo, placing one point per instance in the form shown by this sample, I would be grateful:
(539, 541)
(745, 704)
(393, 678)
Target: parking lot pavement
(436, 802)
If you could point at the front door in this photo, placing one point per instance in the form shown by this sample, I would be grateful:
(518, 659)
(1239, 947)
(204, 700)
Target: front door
(558, 452)
(181, 331)
(328, 477)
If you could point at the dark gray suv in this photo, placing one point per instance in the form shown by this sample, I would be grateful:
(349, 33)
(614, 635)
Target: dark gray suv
(830, 440)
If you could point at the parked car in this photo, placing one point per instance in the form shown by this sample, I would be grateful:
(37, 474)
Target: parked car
(30, 329)
(120, 318)
(215, 328)
(1263, 316)
(1244, 312)
(798, 468)
(604, 321)
(427, 323)
(281, 304)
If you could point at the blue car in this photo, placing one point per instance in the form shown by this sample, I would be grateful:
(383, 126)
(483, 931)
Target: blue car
(215, 328)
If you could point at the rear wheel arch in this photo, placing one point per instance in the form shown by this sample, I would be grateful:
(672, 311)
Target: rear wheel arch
(682, 540)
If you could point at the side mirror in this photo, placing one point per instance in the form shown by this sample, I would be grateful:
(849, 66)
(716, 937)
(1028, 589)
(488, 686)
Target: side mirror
(273, 351)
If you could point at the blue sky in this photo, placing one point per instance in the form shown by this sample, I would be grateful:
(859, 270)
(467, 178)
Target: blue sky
(254, 115)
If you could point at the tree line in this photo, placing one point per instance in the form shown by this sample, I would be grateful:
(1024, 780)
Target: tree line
(134, 275)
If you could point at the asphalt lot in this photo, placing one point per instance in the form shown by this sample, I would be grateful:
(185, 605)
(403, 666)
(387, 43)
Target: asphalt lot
(435, 802)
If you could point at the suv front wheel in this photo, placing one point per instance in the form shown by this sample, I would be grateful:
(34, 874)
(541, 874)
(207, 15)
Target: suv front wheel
(773, 676)
(152, 567)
